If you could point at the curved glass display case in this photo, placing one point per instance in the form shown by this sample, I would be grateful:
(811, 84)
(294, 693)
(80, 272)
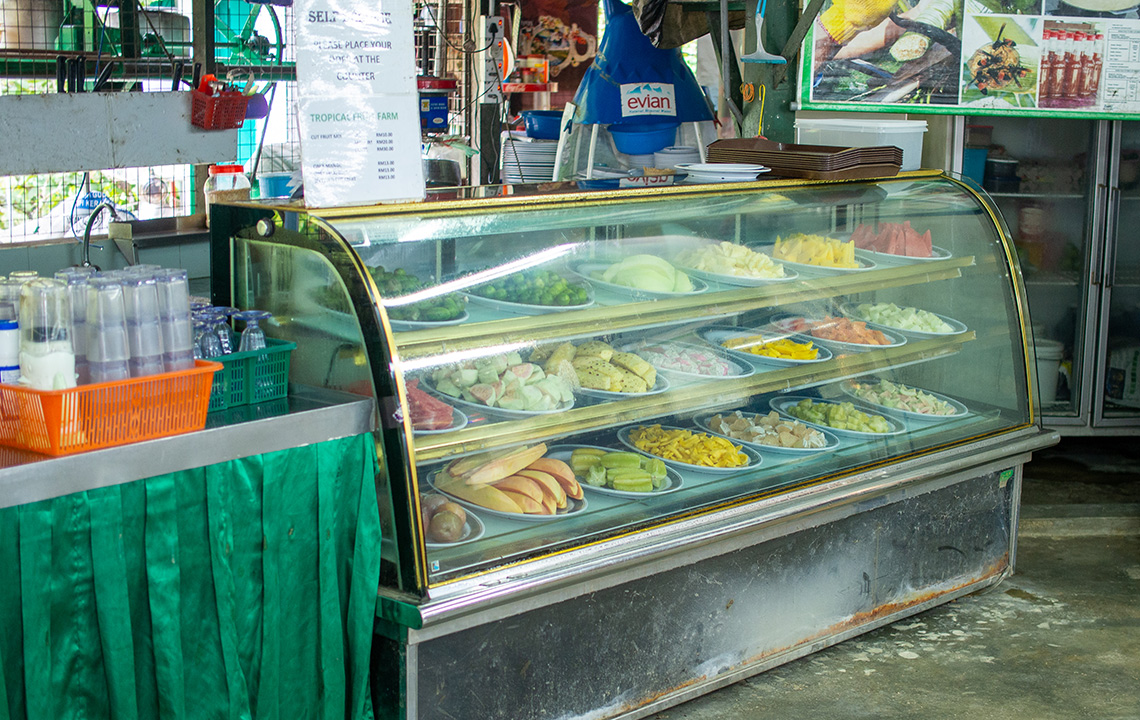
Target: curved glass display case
(679, 352)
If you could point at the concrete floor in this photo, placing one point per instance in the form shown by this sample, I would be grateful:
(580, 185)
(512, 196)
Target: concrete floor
(1059, 640)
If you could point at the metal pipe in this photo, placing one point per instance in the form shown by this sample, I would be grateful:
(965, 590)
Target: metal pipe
(87, 230)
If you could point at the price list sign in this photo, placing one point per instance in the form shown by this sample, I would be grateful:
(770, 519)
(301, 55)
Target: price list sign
(358, 105)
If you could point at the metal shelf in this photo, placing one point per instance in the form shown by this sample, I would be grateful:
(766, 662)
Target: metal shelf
(629, 316)
(685, 399)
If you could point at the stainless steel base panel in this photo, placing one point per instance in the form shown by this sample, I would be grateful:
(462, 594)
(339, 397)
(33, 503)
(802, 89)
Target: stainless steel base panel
(629, 650)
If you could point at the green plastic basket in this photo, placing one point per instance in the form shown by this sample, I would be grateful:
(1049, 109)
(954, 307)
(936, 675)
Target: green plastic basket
(252, 377)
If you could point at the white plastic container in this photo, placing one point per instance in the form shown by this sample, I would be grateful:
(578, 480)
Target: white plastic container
(866, 132)
(1049, 354)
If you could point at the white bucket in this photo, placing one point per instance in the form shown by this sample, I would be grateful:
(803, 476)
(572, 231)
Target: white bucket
(1049, 354)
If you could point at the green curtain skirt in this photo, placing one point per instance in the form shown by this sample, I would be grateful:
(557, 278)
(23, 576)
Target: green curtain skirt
(245, 589)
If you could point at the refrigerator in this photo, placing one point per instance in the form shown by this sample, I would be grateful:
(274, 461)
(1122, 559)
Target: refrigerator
(1069, 190)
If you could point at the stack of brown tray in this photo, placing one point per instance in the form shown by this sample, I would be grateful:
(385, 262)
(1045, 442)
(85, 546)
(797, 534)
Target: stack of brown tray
(812, 162)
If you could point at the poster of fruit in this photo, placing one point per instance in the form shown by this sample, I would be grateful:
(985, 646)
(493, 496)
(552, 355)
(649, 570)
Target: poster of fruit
(1074, 58)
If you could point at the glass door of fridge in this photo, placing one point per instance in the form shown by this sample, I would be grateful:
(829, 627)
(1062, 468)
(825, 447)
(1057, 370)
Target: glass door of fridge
(1043, 176)
(1118, 343)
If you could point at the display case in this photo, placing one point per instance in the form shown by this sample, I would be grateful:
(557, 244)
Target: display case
(665, 443)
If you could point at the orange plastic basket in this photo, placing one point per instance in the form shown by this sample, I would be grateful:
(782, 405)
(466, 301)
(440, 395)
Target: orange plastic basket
(223, 111)
(89, 417)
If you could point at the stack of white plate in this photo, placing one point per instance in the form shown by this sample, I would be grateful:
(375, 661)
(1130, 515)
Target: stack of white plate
(527, 160)
(670, 156)
(720, 172)
(640, 161)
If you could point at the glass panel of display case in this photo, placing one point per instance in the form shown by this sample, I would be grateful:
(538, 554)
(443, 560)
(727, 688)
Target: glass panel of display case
(597, 328)
(556, 373)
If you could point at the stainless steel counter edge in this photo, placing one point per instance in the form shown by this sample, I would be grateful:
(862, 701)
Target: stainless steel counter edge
(315, 415)
(543, 582)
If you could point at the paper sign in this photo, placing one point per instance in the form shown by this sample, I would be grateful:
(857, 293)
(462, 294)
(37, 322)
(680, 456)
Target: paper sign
(358, 102)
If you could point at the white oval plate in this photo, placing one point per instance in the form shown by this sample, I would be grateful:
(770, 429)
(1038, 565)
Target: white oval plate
(960, 409)
(851, 311)
(710, 179)
(865, 264)
(780, 405)
(702, 421)
(515, 308)
(473, 529)
(471, 407)
(458, 420)
(660, 386)
(737, 280)
(673, 481)
(681, 376)
(573, 507)
(896, 338)
(716, 334)
(891, 259)
(722, 168)
(754, 458)
(425, 324)
(584, 270)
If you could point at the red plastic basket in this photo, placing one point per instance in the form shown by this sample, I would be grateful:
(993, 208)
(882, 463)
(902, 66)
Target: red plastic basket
(89, 417)
(223, 111)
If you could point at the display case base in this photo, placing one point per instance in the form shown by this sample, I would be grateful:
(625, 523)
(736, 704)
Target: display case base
(632, 649)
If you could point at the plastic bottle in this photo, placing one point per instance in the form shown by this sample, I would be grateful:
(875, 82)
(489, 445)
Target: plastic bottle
(1070, 67)
(1084, 67)
(1048, 63)
(1092, 79)
(226, 183)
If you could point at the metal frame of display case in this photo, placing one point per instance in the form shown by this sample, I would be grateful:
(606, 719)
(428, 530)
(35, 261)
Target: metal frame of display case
(626, 623)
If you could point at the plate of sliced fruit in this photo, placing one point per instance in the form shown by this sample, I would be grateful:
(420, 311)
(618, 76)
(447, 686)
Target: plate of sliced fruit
(519, 483)
(616, 472)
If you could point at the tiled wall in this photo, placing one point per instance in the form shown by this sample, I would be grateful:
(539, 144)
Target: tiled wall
(193, 256)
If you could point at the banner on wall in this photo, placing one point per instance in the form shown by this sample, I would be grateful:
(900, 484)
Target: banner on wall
(1067, 58)
(358, 103)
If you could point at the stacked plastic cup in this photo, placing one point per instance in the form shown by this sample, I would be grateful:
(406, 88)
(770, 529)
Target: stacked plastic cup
(77, 293)
(142, 270)
(47, 361)
(174, 319)
(144, 329)
(23, 276)
(108, 352)
(9, 330)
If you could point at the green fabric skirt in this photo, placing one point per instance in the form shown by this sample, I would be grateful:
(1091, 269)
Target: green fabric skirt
(245, 589)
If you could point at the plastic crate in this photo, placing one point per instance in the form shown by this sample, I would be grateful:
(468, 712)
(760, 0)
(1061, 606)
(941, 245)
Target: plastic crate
(252, 377)
(223, 111)
(89, 417)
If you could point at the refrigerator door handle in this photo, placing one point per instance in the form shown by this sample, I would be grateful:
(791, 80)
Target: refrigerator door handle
(1110, 220)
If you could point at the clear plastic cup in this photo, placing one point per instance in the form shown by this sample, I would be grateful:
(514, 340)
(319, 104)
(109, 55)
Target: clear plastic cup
(10, 298)
(77, 283)
(173, 293)
(177, 343)
(47, 359)
(105, 302)
(142, 270)
(107, 347)
(23, 276)
(140, 299)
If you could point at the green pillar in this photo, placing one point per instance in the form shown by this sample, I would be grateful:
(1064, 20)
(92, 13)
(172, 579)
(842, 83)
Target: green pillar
(779, 20)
